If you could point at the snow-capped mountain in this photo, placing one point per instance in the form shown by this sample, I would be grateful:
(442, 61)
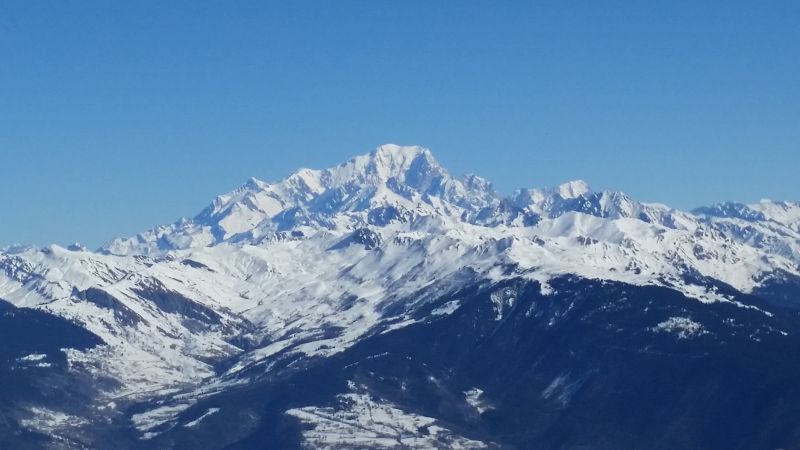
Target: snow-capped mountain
(275, 278)
(391, 183)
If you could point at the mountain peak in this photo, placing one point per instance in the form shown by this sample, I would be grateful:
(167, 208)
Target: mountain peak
(395, 181)
(396, 152)
(390, 160)
(573, 189)
(255, 184)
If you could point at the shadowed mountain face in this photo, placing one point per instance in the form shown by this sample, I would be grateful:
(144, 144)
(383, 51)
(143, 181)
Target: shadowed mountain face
(384, 303)
(596, 365)
(34, 371)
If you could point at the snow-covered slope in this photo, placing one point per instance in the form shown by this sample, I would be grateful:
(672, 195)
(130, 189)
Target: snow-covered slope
(309, 265)
(772, 227)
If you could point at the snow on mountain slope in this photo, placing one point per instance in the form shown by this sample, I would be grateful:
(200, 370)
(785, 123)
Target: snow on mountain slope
(309, 265)
(771, 227)
(361, 422)
(576, 196)
(390, 182)
(786, 214)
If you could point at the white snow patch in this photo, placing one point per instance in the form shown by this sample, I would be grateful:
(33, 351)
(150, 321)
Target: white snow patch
(42, 419)
(33, 357)
(148, 420)
(363, 422)
(683, 327)
(195, 422)
(562, 389)
(473, 397)
(502, 300)
(446, 309)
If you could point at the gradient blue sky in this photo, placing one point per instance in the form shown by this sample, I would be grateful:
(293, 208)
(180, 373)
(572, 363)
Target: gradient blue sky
(119, 115)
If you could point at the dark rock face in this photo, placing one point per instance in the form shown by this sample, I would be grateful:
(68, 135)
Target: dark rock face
(33, 370)
(781, 290)
(174, 302)
(366, 237)
(384, 215)
(594, 365)
(24, 331)
(194, 264)
(363, 236)
(104, 299)
(730, 209)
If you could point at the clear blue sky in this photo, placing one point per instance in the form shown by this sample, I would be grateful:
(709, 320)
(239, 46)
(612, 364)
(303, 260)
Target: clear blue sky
(119, 115)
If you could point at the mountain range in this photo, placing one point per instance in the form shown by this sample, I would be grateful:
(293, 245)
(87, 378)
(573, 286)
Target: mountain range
(384, 303)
